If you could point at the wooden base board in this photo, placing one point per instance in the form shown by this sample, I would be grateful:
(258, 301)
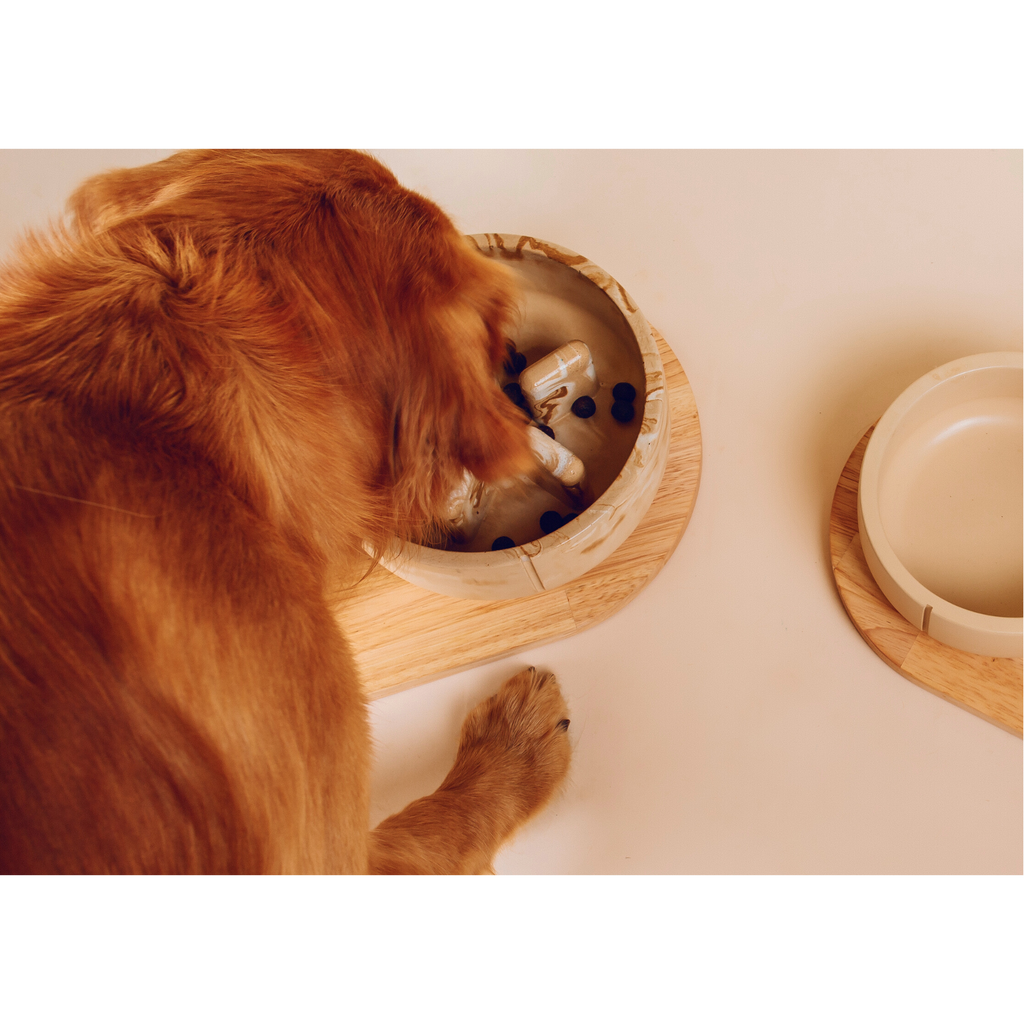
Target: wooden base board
(988, 687)
(402, 635)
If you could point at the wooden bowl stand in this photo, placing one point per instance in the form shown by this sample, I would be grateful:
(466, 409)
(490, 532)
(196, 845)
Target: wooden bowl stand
(402, 635)
(988, 687)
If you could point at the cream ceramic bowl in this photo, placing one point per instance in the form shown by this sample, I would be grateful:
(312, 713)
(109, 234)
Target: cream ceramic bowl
(940, 504)
(565, 297)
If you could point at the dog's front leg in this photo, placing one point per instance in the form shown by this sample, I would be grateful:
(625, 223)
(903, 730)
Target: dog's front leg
(513, 755)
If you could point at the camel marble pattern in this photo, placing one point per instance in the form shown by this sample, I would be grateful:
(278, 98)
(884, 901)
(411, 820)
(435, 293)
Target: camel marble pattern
(553, 383)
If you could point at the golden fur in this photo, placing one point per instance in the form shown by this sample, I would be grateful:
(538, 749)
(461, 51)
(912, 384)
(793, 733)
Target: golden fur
(222, 377)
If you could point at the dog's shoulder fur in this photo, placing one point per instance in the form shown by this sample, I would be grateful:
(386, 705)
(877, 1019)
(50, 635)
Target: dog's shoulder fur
(219, 379)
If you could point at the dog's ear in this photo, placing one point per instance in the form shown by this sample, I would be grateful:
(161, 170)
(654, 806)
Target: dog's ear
(439, 436)
(449, 413)
(492, 440)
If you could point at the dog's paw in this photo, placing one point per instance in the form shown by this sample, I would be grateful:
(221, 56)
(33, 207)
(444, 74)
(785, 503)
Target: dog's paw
(515, 749)
(513, 756)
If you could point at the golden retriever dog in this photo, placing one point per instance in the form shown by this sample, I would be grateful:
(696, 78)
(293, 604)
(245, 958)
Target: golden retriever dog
(224, 374)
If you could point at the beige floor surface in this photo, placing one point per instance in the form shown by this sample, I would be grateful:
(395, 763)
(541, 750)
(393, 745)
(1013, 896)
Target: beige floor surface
(731, 719)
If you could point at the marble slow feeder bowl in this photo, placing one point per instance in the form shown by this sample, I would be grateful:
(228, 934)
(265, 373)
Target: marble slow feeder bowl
(940, 504)
(565, 299)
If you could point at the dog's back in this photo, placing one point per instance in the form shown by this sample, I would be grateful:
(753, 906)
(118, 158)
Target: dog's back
(227, 374)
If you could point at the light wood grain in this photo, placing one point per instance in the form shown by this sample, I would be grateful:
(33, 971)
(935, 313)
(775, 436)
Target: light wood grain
(989, 687)
(402, 635)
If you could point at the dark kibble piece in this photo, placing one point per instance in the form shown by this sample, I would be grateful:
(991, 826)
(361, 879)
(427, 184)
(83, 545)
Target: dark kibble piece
(514, 393)
(623, 411)
(510, 368)
(569, 518)
(520, 362)
(547, 430)
(501, 543)
(623, 392)
(584, 407)
(550, 521)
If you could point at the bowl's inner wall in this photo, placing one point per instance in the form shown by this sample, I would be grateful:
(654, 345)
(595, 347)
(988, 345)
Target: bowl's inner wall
(559, 305)
(950, 491)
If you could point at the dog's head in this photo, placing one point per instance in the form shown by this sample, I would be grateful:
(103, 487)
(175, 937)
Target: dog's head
(351, 281)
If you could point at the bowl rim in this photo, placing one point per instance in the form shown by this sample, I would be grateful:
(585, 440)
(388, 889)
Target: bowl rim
(655, 412)
(874, 540)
